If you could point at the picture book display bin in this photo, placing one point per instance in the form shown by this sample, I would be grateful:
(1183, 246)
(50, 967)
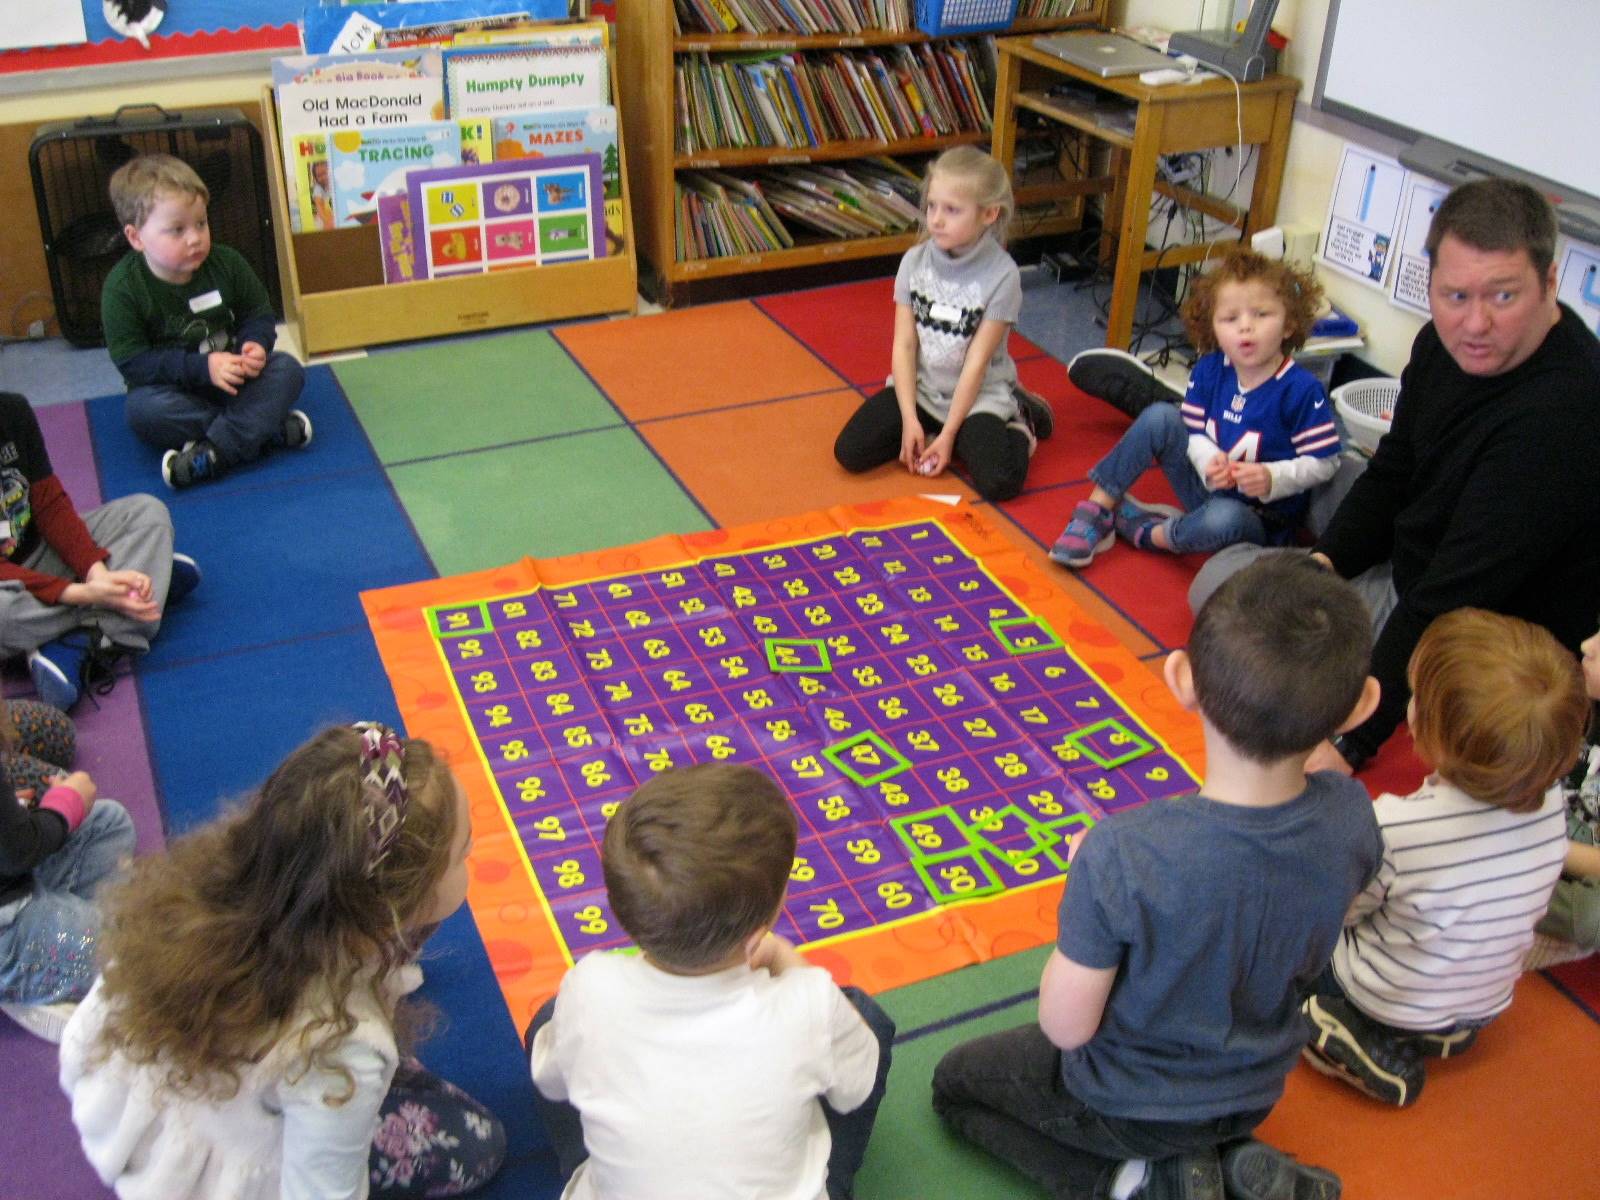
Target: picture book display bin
(335, 295)
(651, 53)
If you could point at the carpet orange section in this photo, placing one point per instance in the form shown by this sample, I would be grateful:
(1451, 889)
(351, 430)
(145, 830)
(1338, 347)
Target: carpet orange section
(783, 462)
(693, 359)
(851, 327)
(1495, 1124)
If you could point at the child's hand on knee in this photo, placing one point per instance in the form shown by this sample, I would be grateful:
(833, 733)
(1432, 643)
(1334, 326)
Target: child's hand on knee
(226, 370)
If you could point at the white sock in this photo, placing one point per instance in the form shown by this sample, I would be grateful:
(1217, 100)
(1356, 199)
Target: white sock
(1130, 1178)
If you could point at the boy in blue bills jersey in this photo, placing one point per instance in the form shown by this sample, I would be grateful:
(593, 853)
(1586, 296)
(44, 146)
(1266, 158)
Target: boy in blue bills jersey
(1253, 434)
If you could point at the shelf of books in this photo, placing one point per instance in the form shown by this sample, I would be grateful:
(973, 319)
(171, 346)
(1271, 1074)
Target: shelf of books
(769, 134)
(448, 188)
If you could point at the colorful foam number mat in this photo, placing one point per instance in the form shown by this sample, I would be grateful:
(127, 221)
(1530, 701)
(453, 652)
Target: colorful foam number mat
(945, 721)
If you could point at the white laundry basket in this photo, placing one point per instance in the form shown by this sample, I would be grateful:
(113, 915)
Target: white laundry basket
(1366, 406)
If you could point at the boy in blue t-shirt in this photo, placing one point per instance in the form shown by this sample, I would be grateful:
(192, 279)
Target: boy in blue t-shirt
(1254, 433)
(1191, 927)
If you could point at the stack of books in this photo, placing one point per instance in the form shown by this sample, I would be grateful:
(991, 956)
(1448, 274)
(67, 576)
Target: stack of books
(798, 100)
(722, 214)
(792, 16)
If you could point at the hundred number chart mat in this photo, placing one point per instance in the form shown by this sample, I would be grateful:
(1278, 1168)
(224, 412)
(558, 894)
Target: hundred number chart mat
(944, 720)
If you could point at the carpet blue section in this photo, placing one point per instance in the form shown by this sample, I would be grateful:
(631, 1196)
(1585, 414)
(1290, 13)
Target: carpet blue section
(274, 646)
(129, 465)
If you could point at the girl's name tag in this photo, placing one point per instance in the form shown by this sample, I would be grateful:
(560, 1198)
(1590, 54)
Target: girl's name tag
(948, 313)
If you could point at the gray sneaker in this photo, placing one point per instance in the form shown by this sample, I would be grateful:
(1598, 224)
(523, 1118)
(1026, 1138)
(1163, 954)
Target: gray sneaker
(1121, 380)
(195, 463)
(1253, 1170)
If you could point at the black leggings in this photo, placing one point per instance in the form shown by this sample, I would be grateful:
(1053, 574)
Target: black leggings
(994, 453)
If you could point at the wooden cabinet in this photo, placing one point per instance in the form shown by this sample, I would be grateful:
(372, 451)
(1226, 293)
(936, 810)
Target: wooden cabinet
(649, 53)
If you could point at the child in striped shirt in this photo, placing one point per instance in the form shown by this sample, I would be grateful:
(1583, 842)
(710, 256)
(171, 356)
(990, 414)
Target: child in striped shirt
(1253, 435)
(1433, 947)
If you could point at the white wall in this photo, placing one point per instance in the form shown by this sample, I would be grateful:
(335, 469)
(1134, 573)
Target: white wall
(1313, 158)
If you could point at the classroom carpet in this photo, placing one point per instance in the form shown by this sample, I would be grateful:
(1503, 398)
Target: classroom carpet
(451, 457)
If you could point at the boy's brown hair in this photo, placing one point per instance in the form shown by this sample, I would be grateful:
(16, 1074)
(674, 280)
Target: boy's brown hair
(697, 860)
(1280, 654)
(137, 185)
(1297, 289)
(1499, 707)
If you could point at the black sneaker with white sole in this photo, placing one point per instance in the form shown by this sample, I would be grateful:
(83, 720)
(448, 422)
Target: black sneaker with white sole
(1035, 410)
(1372, 1058)
(1126, 383)
(196, 463)
(1253, 1170)
(296, 434)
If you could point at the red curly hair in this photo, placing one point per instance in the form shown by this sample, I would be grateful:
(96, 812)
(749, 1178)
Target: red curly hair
(1300, 293)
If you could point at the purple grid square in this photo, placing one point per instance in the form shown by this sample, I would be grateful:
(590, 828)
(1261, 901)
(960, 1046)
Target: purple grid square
(684, 712)
(894, 708)
(514, 751)
(547, 671)
(594, 774)
(865, 853)
(573, 873)
(565, 705)
(530, 639)
(828, 914)
(841, 807)
(807, 687)
(776, 562)
(932, 833)
(897, 634)
(484, 681)
(726, 741)
(534, 785)
(819, 615)
(1016, 765)
(546, 828)
(873, 604)
(666, 749)
(641, 720)
(567, 602)
(1138, 775)
(595, 810)
(955, 694)
(839, 719)
(731, 567)
(513, 612)
(1048, 800)
(926, 741)
(771, 622)
(623, 690)
(478, 649)
(949, 621)
(587, 923)
(576, 738)
(762, 698)
(805, 772)
(814, 869)
(885, 895)
(674, 680)
(780, 734)
(687, 579)
(714, 636)
(498, 715)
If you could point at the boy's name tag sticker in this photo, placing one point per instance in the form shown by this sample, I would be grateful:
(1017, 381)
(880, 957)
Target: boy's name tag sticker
(948, 313)
(205, 301)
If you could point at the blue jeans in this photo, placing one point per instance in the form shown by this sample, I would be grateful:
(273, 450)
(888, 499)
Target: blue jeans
(1005, 1093)
(850, 1131)
(240, 427)
(1210, 521)
(48, 939)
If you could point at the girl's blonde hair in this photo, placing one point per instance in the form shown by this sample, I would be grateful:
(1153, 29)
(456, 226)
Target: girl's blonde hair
(266, 921)
(981, 174)
(1499, 707)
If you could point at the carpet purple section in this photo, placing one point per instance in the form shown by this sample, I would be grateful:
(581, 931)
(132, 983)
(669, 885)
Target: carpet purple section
(111, 747)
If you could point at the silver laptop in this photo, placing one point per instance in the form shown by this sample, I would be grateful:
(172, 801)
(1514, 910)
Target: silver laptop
(1103, 54)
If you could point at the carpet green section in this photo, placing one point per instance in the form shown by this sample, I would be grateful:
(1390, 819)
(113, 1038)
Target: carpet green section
(911, 1155)
(559, 496)
(421, 403)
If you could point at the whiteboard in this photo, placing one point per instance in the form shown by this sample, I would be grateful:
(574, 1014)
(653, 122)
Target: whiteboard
(1518, 82)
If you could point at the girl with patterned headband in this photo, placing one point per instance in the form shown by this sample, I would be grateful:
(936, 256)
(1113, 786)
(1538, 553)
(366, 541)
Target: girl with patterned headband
(246, 1038)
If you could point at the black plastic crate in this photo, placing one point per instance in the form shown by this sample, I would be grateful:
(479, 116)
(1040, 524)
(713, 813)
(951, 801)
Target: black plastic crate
(72, 162)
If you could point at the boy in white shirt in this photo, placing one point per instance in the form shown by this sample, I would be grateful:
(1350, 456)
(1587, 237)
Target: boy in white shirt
(1435, 944)
(717, 1062)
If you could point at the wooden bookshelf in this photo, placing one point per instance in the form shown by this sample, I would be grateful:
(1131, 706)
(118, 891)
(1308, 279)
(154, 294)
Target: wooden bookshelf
(648, 49)
(334, 293)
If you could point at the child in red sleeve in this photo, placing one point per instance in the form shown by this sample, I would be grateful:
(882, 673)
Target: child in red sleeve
(76, 592)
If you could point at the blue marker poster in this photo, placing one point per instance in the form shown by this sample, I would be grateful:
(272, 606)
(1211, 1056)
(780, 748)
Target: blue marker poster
(1408, 284)
(1363, 212)
(1578, 283)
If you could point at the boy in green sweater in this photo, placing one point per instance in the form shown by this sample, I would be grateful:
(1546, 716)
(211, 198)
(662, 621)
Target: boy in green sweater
(191, 329)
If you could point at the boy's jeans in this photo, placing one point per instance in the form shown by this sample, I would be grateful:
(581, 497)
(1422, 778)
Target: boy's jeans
(1210, 521)
(850, 1131)
(240, 427)
(47, 939)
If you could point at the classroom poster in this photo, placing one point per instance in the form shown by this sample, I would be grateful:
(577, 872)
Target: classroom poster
(1578, 283)
(42, 23)
(1363, 211)
(1408, 285)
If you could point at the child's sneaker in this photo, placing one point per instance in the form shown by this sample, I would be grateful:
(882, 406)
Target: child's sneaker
(1253, 1170)
(1035, 410)
(195, 463)
(1195, 1176)
(296, 433)
(1121, 380)
(185, 578)
(56, 668)
(47, 1021)
(1449, 1043)
(1350, 1046)
(1135, 521)
(1090, 532)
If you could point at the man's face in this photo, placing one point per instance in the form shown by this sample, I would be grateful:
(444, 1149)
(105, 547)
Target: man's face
(1490, 307)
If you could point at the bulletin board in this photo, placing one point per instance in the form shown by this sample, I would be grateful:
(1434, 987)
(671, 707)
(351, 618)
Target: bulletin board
(191, 28)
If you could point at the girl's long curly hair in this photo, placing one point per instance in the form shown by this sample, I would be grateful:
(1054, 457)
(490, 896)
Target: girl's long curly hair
(264, 923)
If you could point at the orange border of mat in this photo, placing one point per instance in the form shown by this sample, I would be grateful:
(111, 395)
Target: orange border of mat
(526, 956)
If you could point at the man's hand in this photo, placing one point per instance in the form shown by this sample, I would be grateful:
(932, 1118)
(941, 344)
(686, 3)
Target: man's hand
(1253, 479)
(228, 371)
(1219, 473)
